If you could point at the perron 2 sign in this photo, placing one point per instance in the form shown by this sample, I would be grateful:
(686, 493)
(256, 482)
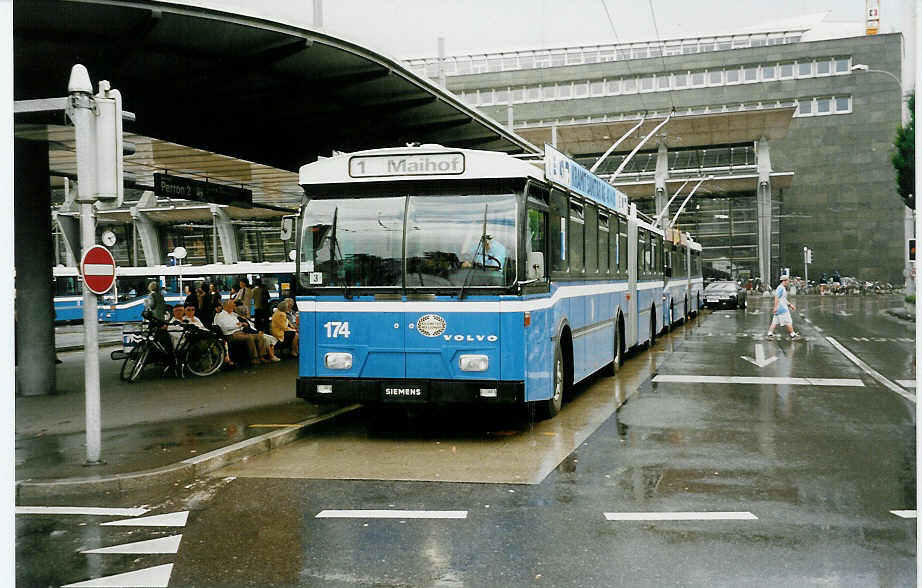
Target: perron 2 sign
(199, 191)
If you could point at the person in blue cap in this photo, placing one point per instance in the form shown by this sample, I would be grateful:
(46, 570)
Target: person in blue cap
(781, 312)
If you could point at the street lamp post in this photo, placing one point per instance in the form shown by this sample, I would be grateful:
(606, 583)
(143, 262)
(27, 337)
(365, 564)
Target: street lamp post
(909, 214)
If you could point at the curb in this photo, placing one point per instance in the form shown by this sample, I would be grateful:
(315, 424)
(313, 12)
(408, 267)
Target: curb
(186, 470)
(80, 347)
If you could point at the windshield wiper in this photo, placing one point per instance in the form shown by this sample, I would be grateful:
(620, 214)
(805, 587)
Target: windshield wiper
(481, 246)
(334, 246)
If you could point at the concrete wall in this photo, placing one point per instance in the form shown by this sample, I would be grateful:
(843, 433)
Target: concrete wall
(842, 203)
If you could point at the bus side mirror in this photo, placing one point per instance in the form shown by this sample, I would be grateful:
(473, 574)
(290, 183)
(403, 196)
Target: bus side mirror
(288, 227)
(535, 265)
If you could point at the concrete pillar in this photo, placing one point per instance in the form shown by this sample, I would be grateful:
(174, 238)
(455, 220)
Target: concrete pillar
(225, 234)
(660, 177)
(147, 230)
(33, 255)
(764, 211)
(554, 136)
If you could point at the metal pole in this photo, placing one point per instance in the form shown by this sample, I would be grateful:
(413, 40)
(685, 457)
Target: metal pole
(442, 64)
(805, 265)
(82, 114)
(611, 179)
(668, 204)
(605, 155)
(687, 198)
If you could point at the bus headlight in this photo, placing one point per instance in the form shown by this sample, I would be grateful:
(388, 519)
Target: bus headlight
(338, 361)
(474, 363)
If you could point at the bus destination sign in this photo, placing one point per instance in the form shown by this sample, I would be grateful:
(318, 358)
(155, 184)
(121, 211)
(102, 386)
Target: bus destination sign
(422, 164)
(199, 191)
(561, 169)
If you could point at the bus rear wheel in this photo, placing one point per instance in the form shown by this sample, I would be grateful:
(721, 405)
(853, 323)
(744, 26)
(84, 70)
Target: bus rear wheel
(548, 409)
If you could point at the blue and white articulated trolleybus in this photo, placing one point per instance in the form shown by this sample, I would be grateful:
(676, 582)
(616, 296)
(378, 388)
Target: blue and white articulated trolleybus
(684, 283)
(125, 301)
(438, 275)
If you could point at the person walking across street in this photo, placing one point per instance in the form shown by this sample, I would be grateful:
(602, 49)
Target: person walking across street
(781, 311)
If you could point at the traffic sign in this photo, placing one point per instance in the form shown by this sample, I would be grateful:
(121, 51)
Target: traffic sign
(98, 269)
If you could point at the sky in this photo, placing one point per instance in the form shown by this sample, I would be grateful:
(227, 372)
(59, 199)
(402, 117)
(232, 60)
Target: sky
(408, 29)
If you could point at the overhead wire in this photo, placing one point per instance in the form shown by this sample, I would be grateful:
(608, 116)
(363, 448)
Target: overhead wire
(662, 59)
(627, 62)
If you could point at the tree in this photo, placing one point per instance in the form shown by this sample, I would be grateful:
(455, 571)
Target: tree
(904, 158)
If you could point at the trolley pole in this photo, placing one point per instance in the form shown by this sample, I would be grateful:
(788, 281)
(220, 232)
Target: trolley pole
(81, 110)
(806, 281)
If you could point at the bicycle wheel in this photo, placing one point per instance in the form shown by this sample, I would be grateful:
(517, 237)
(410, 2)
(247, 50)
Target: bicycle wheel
(204, 356)
(143, 354)
(129, 363)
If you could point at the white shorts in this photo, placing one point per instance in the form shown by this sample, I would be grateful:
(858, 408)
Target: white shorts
(783, 320)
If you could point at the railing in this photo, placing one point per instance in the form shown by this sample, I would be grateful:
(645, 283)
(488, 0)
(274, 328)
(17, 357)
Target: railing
(537, 59)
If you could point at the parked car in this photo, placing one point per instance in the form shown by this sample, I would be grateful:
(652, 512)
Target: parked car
(724, 294)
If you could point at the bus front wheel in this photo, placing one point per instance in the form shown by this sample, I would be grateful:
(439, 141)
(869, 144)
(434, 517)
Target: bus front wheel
(549, 408)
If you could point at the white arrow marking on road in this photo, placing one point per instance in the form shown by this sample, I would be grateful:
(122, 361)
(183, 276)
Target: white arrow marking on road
(906, 514)
(162, 545)
(81, 510)
(760, 360)
(155, 577)
(172, 519)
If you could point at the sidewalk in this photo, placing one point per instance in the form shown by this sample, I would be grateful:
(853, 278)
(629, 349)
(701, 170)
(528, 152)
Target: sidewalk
(70, 337)
(157, 430)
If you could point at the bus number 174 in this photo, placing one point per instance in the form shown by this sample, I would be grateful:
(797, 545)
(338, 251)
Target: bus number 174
(337, 329)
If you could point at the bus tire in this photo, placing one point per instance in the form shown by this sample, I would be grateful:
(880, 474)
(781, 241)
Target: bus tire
(652, 340)
(617, 355)
(548, 409)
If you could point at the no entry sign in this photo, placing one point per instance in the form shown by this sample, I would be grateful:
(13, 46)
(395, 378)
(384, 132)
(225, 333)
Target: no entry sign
(98, 269)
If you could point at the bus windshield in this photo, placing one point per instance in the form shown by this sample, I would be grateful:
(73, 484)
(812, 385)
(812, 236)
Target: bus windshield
(450, 242)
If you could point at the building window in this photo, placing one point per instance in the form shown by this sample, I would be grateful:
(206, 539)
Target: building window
(697, 78)
(565, 90)
(662, 82)
(580, 89)
(614, 86)
(768, 72)
(527, 61)
(715, 77)
(823, 68)
(733, 75)
(574, 57)
(804, 69)
(596, 88)
(542, 59)
(823, 105)
(624, 53)
(557, 59)
(629, 85)
(518, 95)
(646, 84)
(843, 104)
(532, 94)
(805, 107)
(751, 74)
(501, 96)
(842, 65)
(680, 80)
(548, 92)
(786, 70)
(656, 51)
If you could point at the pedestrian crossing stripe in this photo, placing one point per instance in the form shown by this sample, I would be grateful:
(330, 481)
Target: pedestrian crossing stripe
(161, 545)
(171, 519)
(155, 577)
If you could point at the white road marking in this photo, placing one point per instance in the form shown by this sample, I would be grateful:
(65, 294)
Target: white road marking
(161, 545)
(760, 360)
(763, 380)
(155, 577)
(81, 510)
(392, 514)
(681, 516)
(906, 514)
(170, 519)
(871, 371)
(906, 383)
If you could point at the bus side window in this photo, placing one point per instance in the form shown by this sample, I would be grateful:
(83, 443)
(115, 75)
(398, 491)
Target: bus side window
(537, 245)
(577, 228)
(592, 240)
(604, 234)
(558, 231)
(622, 245)
(641, 251)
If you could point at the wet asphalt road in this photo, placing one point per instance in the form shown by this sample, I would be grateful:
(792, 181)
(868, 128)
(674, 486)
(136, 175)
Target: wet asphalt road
(814, 467)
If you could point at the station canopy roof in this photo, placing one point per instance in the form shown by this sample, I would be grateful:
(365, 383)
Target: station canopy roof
(231, 98)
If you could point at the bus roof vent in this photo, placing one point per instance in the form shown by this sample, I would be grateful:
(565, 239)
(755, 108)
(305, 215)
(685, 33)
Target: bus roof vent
(432, 146)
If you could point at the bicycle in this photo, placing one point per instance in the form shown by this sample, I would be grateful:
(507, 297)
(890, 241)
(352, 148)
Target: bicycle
(201, 353)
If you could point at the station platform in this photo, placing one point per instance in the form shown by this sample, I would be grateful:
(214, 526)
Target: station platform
(160, 429)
